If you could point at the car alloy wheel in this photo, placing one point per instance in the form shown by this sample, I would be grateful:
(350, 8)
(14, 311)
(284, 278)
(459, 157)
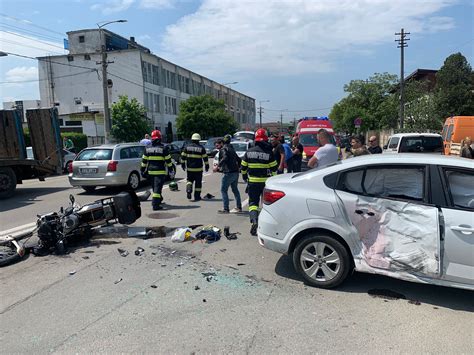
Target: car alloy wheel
(133, 181)
(320, 261)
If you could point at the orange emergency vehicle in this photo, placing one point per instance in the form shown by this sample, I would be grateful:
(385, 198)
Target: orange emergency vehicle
(456, 129)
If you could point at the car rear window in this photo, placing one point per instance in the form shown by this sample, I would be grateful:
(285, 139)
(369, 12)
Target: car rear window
(421, 144)
(95, 154)
(240, 147)
(450, 133)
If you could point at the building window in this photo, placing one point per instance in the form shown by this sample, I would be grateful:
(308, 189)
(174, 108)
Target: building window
(81, 39)
(70, 58)
(87, 57)
(73, 123)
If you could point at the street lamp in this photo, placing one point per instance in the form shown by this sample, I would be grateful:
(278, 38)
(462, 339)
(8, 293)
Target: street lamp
(260, 110)
(104, 63)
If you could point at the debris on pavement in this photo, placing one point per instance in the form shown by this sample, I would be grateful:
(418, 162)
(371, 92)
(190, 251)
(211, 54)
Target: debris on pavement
(208, 196)
(196, 288)
(228, 234)
(231, 267)
(240, 264)
(180, 263)
(139, 232)
(122, 252)
(204, 300)
(85, 257)
(181, 235)
(72, 272)
(386, 294)
(154, 286)
(209, 233)
(117, 281)
(139, 251)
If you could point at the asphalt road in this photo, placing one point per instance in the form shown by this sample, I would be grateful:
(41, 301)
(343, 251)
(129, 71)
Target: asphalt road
(226, 297)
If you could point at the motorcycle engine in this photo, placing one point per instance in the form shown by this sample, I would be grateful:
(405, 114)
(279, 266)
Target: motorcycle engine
(70, 223)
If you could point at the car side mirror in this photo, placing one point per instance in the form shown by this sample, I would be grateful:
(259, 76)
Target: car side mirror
(385, 146)
(72, 199)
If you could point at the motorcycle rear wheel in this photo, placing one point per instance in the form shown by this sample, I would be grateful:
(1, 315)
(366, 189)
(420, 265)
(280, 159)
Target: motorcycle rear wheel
(8, 255)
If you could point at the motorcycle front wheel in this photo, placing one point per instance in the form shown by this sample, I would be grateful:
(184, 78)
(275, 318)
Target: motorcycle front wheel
(8, 255)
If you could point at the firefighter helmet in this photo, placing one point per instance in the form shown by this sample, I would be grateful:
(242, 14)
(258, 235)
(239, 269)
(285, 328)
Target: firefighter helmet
(196, 137)
(173, 186)
(261, 135)
(156, 134)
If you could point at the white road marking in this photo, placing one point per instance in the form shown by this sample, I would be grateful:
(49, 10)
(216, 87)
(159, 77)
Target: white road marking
(18, 230)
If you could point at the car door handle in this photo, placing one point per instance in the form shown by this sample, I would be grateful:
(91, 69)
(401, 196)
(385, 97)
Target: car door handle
(463, 228)
(359, 212)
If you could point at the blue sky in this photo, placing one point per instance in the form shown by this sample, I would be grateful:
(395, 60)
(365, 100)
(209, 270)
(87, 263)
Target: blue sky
(296, 53)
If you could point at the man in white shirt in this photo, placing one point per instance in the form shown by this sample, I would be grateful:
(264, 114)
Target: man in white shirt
(326, 153)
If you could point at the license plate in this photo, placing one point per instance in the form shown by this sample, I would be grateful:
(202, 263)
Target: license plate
(87, 171)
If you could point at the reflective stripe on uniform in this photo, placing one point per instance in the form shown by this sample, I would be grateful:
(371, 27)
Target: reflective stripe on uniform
(253, 208)
(169, 165)
(157, 172)
(195, 156)
(168, 157)
(258, 166)
(272, 164)
(155, 158)
(197, 189)
(155, 195)
(189, 183)
(257, 179)
(144, 157)
(244, 163)
(144, 165)
(195, 170)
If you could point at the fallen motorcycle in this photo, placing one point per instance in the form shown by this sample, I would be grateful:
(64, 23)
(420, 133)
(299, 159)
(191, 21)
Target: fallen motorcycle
(56, 230)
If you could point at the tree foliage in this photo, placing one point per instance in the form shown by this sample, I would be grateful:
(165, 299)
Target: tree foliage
(204, 115)
(454, 92)
(129, 122)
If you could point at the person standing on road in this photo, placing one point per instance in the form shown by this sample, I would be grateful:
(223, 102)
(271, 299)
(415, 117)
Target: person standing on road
(278, 153)
(229, 164)
(256, 164)
(357, 147)
(327, 152)
(294, 164)
(192, 158)
(374, 147)
(155, 160)
(466, 149)
(146, 141)
(68, 144)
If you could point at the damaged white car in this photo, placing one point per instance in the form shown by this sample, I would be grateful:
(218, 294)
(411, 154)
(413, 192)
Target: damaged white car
(406, 216)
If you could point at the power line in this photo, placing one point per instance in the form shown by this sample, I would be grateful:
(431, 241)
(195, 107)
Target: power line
(27, 22)
(26, 45)
(314, 109)
(56, 77)
(19, 35)
(34, 33)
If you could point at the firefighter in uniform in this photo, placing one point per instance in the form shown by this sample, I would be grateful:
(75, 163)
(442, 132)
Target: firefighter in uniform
(155, 162)
(258, 164)
(192, 158)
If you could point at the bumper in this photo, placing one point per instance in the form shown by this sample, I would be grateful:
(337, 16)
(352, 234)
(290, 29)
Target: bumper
(110, 179)
(270, 233)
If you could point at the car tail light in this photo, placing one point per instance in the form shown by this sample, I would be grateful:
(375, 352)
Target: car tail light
(69, 167)
(271, 196)
(112, 166)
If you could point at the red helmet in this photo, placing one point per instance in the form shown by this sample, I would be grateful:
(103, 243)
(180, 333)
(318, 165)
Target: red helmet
(261, 135)
(156, 134)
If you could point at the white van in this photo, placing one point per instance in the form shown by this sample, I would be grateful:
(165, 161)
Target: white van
(414, 143)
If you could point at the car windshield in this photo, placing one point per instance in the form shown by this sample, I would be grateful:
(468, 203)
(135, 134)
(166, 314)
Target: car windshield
(211, 143)
(95, 154)
(310, 140)
(240, 147)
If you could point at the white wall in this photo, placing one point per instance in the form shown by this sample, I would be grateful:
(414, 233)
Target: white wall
(87, 87)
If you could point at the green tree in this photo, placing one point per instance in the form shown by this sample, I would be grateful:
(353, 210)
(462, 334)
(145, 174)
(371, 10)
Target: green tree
(204, 115)
(420, 108)
(368, 99)
(129, 122)
(454, 91)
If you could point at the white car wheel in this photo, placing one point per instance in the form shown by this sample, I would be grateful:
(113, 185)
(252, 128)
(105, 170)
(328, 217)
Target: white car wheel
(133, 181)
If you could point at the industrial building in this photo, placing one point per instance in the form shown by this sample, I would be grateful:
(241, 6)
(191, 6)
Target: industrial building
(73, 83)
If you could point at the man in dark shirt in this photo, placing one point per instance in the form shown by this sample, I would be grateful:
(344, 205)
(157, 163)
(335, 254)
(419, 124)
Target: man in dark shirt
(278, 153)
(294, 164)
(374, 147)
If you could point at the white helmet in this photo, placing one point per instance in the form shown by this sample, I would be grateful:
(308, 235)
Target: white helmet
(196, 137)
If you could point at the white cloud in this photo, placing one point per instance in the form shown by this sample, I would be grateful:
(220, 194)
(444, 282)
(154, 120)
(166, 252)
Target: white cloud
(157, 4)
(291, 37)
(142, 38)
(21, 74)
(112, 6)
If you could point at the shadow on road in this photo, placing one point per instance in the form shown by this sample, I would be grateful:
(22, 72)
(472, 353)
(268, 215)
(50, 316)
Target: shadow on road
(28, 195)
(436, 296)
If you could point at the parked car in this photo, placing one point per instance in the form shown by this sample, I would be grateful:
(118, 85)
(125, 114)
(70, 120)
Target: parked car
(180, 144)
(175, 152)
(68, 157)
(107, 165)
(407, 216)
(241, 147)
(244, 135)
(210, 146)
(203, 141)
(414, 143)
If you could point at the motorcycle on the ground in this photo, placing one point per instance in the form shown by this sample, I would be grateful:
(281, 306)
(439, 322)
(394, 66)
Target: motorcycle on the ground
(56, 230)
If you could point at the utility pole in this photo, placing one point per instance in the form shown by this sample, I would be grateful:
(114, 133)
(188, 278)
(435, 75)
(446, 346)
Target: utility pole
(260, 110)
(281, 122)
(402, 44)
